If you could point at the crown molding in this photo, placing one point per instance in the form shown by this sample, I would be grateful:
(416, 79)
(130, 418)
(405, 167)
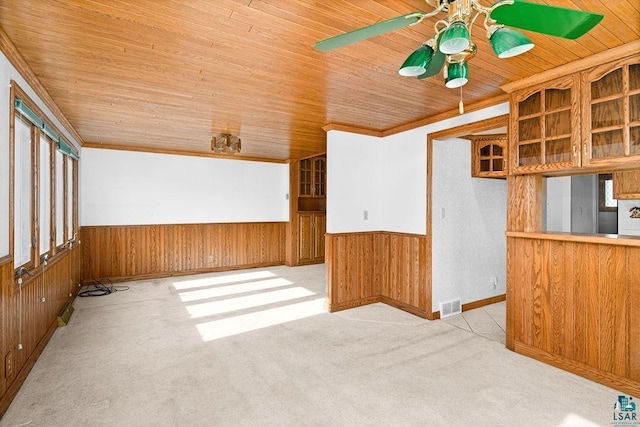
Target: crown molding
(11, 52)
(596, 59)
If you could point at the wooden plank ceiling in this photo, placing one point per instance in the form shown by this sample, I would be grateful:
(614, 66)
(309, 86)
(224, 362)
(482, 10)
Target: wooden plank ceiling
(169, 74)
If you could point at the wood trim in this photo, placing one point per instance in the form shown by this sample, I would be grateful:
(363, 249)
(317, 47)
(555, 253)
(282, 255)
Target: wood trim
(404, 306)
(604, 239)
(614, 381)
(483, 302)
(475, 304)
(485, 103)
(9, 49)
(575, 66)
(161, 275)
(429, 228)
(471, 128)
(333, 307)
(352, 129)
(99, 145)
(456, 132)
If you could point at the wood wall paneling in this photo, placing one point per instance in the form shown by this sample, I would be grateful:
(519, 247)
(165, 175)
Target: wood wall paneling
(573, 304)
(380, 266)
(123, 252)
(29, 315)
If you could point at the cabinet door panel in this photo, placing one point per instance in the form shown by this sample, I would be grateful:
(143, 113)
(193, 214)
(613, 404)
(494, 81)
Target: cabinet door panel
(320, 221)
(545, 127)
(305, 238)
(611, 113)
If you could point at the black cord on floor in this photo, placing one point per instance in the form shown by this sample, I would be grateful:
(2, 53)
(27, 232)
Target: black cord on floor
(99, 288)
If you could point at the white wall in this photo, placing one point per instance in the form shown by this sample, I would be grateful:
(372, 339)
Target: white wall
(8, 73)
(354, 178)
(469, 223)
(133, 188)
(386, 176)
(558, 204)
(626, 225)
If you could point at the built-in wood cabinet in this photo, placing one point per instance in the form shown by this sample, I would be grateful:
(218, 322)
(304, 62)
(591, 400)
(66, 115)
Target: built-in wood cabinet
(545, 126)
(489, 156)
(586, 120)
(626, 185)
(312, 228)
(313, 177)
(611, 113)
(307, 227)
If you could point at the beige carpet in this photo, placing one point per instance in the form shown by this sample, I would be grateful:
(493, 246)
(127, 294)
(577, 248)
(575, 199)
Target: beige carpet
(255, 348)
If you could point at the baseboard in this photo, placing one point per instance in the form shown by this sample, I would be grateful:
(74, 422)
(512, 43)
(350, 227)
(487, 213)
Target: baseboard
(350, 304)
(404, 307)
(165, 274)
(474, 304)
(482, 302)
(616, 382)
(21, 376)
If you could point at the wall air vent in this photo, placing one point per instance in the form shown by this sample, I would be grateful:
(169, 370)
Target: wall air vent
(450, 308)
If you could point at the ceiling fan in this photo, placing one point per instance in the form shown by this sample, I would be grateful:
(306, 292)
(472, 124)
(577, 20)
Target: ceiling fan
(452, 43)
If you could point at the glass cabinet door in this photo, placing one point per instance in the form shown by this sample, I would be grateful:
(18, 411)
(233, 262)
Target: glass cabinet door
(545, 127)
(611, 114)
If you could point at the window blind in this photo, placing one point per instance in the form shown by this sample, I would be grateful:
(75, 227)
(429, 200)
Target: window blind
(30, 115)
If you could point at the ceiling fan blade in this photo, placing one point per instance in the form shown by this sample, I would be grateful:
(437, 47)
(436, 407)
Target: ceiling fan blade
(370, 31)
(437, 61)
(541, 18)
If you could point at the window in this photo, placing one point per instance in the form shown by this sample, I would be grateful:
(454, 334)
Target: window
(45, 185)
(59, 209)
(606, 202)
(22, 195)
(45, 195)
(70, 207)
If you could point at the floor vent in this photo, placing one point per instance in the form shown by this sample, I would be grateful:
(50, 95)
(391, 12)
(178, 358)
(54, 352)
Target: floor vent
(450, 308)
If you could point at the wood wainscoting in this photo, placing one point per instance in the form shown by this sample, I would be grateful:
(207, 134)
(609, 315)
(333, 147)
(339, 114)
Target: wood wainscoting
(146, 251)
(573, 302)
(363, 268)
(29, 315)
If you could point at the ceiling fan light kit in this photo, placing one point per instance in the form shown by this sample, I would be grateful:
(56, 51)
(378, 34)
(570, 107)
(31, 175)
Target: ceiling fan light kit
(457, 75)
(507, 42)
(454, 39)
(416, 64)
(452, 43)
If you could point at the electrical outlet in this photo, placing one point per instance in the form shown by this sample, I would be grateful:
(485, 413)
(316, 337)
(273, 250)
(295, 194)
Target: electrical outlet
(365, 215)
(210, 259)
(494, 282)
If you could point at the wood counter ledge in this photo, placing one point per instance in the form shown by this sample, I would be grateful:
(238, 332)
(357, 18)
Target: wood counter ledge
(606, 239)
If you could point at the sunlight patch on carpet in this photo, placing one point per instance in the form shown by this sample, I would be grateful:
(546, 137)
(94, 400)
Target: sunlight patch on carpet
(233, 289)
(230, 326)
(250, 301)
(221, 280)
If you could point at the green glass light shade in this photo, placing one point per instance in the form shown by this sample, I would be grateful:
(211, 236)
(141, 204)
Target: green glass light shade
(417, 63)
(457, 75)
(507, 42)
(454, 39)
